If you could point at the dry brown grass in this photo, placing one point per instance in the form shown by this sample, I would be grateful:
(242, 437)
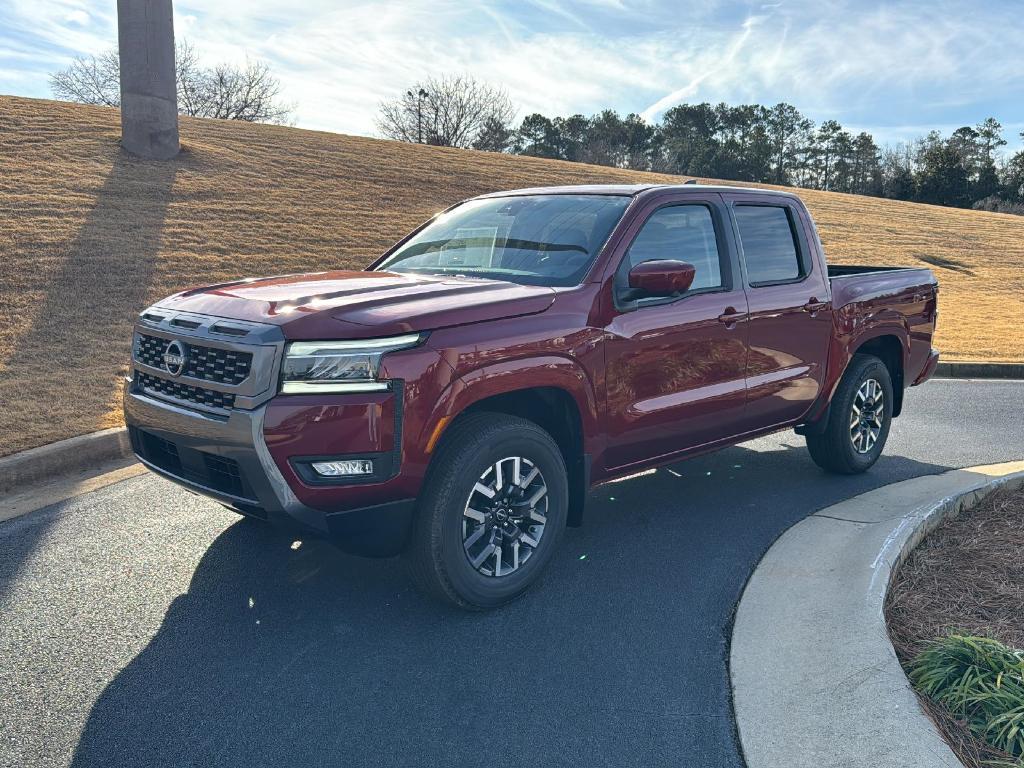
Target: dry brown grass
(966, 577)
(88, 236)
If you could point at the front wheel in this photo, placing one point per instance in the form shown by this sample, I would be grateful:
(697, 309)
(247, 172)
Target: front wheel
(858, 421)
(491, 513)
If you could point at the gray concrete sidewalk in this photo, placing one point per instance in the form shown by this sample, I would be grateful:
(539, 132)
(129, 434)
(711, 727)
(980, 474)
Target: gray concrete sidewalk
(815, 679)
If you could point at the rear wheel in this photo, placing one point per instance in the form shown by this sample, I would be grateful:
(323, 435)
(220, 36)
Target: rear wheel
(491, 513)
(859, 419)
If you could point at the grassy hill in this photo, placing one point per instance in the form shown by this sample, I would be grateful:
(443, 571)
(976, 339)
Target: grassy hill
(89, 235)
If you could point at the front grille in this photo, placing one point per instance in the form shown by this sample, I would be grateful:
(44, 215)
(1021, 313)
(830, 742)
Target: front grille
(223, 366)
(184, 392)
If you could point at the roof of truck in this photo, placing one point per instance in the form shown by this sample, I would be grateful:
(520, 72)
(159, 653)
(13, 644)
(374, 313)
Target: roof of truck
(632, 189)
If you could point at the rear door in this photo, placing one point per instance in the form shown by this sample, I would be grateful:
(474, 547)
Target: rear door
(675, 366)
(790, 320)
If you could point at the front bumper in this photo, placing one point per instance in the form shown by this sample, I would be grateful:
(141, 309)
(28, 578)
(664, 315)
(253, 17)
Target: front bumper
(228, 459)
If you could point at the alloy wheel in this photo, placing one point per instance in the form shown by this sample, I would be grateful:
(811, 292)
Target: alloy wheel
(504, 517)
(867, 416)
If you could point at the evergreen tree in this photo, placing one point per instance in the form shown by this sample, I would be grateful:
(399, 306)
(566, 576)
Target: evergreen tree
(537, 137)
(943, 175)
(990, 136)
(831, 142)
(782, 125)
(1013, 178)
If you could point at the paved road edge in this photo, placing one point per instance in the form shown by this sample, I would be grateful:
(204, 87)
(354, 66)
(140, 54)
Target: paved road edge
(55, 460)
(815, 679)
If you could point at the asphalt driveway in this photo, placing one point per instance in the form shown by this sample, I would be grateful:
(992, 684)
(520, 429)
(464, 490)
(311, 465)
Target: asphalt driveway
(140, 625)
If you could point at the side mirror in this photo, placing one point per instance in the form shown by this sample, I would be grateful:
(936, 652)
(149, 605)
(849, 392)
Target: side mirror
(661, 277)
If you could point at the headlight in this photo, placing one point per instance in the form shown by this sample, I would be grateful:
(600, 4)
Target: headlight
(339, 366)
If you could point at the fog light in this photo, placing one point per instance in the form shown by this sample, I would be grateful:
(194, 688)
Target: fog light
(346, 468)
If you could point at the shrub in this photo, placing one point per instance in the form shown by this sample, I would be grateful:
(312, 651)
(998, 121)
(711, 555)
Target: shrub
(996, 204)
(980, 681)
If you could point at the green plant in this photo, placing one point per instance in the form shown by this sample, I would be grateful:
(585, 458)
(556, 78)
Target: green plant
(980, 681)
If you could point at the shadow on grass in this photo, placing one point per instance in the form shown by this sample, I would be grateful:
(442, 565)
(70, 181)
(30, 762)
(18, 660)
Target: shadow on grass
(279, 655)
(946, 263)
(64, 368)
(62, 377)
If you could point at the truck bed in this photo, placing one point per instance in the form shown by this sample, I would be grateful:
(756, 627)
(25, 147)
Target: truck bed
(905, 289)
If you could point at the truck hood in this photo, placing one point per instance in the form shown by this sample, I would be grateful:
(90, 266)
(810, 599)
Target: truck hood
(345, 304)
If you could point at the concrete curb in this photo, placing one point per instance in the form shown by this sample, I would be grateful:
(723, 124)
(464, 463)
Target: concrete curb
(815, 679)
(49, 462)
(979, 370)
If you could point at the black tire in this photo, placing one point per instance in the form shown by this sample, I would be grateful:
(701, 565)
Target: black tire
(438, 558)
(834, 450)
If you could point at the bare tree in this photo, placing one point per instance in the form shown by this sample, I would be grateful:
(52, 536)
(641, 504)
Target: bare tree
(90, 80)
(247, 93)
(449, 111)
(189, 76)
(226, 91)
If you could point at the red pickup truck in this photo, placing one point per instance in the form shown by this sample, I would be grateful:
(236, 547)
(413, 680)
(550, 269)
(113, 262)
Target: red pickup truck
(455, 401)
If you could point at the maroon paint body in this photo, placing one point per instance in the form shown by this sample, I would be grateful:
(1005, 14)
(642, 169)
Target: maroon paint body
(650, 385)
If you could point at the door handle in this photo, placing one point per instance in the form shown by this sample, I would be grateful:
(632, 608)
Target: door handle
(813, 305)
(730, 317)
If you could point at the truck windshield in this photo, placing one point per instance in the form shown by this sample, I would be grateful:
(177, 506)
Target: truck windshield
(533, 239)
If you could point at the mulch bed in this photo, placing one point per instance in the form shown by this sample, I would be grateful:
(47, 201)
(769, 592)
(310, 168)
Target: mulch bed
(967, 577)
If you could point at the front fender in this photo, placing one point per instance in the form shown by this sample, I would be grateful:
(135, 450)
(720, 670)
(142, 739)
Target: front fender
(540, 371)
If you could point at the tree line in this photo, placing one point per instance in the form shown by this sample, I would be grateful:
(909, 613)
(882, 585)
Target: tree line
(748, 142)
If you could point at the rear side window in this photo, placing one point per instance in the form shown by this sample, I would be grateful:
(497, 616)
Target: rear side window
(682, 233)
(769, 243)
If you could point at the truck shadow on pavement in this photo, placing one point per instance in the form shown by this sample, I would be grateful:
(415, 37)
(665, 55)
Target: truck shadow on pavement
(285, 654)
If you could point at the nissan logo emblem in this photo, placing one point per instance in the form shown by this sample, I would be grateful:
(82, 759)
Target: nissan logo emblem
(175, 358)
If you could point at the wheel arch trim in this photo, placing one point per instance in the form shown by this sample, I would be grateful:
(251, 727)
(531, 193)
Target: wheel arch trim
(543, 372)
(509, 377)
(843, 350)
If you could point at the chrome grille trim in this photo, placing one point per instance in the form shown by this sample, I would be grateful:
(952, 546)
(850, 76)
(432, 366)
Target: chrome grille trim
(214, 364)
(184, 393)
(223, 371)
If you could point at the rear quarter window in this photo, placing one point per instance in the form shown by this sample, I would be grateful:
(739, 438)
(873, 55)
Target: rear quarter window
(768, 238)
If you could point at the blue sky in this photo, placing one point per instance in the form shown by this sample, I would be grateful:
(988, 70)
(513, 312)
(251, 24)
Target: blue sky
(896, 69)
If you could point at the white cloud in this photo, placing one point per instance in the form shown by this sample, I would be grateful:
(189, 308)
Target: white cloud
(71, 25)
(77, 16)
(866, 62)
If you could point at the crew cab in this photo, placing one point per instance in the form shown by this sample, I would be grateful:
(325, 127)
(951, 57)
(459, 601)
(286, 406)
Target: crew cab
(455, 401)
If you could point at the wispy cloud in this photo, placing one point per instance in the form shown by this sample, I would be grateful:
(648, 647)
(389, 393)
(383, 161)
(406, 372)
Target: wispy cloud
(871, 63)
(560, 9)
(723, 63)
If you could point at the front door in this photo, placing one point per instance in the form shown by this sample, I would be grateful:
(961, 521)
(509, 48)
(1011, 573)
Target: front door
(675, 365)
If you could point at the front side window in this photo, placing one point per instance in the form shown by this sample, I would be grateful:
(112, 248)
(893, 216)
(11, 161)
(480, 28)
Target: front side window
(769, 243)
(532, 239)
(679, 233)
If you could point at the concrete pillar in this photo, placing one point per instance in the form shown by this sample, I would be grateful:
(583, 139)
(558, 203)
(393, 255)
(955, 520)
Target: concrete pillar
(149, 97)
